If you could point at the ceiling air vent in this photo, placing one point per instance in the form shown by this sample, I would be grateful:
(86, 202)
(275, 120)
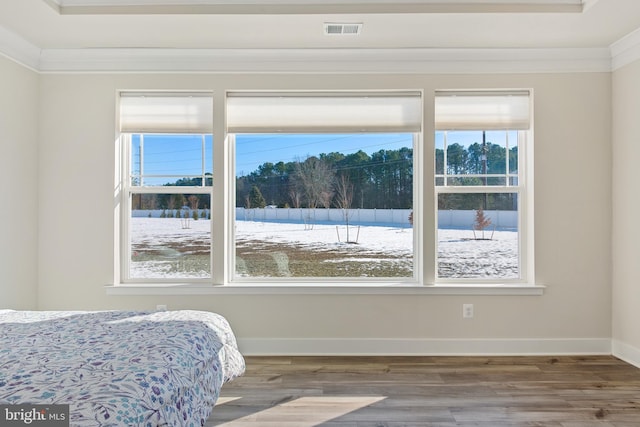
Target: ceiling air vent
(332, 29)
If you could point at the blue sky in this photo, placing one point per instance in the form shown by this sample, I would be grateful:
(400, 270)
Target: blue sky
(172, 156)
(179, 156)
(254, 150)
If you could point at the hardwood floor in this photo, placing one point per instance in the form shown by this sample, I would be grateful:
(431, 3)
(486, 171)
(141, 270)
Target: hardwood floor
(431, 391)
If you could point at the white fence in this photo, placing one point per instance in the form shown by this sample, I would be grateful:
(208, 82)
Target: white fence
(393, 217)
(502, 220)
(169, 213)
(397, 217)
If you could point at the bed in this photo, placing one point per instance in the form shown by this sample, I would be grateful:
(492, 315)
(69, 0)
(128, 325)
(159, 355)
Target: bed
(118, 368)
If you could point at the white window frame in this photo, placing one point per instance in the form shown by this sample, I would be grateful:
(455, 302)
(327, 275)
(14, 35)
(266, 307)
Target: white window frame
(418, 264)
(129, 190)
(222, 208)
(521, 190)
(522, 118)
(262, 112)
(157, 113)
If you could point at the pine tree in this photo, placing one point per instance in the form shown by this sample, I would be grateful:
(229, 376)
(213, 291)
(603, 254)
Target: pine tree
(256, 198)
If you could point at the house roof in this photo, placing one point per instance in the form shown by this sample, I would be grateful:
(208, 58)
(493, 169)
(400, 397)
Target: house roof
(289, 35)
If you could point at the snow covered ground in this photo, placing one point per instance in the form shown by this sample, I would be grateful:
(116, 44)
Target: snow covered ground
(460, 255)
(372, 239)
(170, 247)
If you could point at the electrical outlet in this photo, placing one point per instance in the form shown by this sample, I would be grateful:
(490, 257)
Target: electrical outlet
(467, 311)
(161, 307)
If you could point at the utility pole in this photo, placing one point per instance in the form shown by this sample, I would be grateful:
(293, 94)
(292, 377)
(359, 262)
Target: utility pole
(483, 158)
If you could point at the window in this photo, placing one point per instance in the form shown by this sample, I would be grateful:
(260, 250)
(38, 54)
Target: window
(482, 186)
(324, 185)
(167, 144)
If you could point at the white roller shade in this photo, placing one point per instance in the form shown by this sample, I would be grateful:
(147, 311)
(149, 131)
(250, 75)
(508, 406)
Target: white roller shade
(324, 112)
(459, 110)
(166, 112)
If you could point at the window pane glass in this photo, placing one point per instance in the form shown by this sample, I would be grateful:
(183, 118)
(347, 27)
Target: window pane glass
(439, 153)
(324, 205)
(513, 151)
(170, 236)
(158, 160)
(472, 158)
(463, 153)
(478, 235)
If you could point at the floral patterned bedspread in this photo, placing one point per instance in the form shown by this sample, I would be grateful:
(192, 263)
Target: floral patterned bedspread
(117, 368)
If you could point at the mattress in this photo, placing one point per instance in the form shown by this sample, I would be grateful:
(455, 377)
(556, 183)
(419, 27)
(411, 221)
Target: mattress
(116, 368)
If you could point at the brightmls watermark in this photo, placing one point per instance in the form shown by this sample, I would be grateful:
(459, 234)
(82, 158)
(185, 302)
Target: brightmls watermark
(34, 415)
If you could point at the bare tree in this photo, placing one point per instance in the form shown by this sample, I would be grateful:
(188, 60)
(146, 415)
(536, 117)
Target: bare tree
(296, 198)
(193, 201)
(326, 197)
(149, 201)
(344, 198)
(313, 177)
(344, 191)
(481, 222)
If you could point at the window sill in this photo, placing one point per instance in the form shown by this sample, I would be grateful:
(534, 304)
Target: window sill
(314, 289)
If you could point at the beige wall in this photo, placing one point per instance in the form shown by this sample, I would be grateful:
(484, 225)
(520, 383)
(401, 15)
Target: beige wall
(626, 211)
(18, 188)
(572, 217)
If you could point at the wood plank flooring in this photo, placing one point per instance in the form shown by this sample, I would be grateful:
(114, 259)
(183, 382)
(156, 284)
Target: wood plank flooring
(431, 391)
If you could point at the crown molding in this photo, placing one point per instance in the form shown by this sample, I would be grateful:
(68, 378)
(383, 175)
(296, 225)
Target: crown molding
(327, 61)
(19, 50)
(134, 7)
(626, 50)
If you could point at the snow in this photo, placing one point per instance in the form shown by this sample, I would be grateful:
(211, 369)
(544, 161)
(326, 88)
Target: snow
(170, 248)
(460, 255)
(175, 248)
(370, 239)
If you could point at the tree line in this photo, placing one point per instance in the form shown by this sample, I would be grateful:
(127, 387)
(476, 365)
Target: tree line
(173, 203)
(478, 159)
(381, 180)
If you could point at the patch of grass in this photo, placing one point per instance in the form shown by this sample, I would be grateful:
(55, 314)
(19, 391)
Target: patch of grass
(259, 258)
(343, 261)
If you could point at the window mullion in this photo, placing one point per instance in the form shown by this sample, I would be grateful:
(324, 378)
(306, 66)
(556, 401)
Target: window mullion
(203, 152)
(222, 176)
(141, 164)
(506, 171)
(478, 189)
(445, 172)
(173, 189)
(125, 207)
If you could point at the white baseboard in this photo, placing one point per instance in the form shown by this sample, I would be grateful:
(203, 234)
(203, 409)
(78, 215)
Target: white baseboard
(626, 352)
(423, 347)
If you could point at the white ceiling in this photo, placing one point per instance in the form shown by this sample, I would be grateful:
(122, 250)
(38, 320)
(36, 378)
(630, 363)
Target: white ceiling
(45, 33)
